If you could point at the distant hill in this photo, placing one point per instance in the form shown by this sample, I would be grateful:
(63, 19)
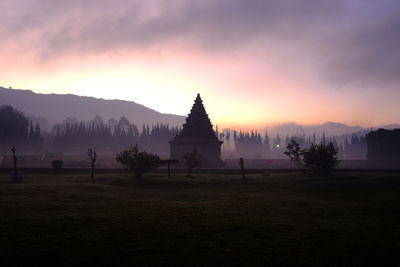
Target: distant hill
(48, 109)
(390, 126)
(329, 128)
(56, 107)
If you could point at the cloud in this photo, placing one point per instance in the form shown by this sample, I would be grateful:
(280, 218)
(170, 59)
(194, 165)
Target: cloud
(368, 54)
(107, 24)
(347, 41)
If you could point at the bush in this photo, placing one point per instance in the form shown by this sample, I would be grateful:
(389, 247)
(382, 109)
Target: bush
(295, 154)
(320, 158)
(138, 162)
(57, 164)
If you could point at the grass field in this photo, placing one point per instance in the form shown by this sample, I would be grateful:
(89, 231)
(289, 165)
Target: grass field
(348, 219)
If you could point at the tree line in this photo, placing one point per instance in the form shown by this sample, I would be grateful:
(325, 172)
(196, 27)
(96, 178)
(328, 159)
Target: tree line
(252, 144)
(114, 135)
(76, 136)
(73, 137)
(15, 128)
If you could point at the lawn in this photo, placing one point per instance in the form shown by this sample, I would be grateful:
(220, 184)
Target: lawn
(348, 219)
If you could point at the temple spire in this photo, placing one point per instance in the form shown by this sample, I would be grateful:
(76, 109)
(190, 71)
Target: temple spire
(198, 122)
(198, 133)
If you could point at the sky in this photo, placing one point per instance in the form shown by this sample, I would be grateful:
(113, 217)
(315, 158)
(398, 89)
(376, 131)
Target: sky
(253, 62)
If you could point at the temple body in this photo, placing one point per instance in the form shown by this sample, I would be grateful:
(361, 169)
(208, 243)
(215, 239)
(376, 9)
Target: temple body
(198, 135)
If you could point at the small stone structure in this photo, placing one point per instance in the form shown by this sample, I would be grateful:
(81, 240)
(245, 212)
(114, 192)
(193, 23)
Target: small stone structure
(384, 148)
(198, 135)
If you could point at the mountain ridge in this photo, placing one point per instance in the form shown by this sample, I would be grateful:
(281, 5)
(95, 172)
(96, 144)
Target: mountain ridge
(38, 106)
(82, 107)
(329, 128)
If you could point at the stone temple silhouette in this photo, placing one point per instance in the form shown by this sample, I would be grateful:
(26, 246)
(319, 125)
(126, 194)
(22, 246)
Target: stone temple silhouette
(198, 134)
(384, 148)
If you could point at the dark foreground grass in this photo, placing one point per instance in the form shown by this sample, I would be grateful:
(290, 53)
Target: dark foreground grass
(349, 219)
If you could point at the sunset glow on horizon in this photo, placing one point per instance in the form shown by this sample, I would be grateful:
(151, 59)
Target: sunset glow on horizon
(253, 63)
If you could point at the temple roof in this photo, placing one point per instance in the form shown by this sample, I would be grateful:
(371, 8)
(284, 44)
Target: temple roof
(198, 124)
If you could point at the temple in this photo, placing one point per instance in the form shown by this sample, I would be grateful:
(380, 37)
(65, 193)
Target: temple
(198, 135)
(384, 148)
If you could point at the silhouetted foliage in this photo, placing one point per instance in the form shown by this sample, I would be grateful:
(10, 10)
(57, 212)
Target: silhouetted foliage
(321, 158)
(241, 163)
(92, 155)
(16, 129)
(295, 154)
(112, 136)
(13, 151)
(192, 160)
(249, 144)
(318, 158)
(356, 147)
(35, 139)
(138, 162)
(14, 124)
(57, 164)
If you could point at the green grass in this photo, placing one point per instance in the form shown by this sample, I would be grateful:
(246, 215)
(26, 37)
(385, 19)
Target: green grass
(348, 219)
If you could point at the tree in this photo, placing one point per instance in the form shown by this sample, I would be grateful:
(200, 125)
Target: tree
(318, 158)
(92, 155)
(192, 161)
(13, 150)
(13, 126)
(241, 163)
(57, 165)
(295, 154)
(138, 162)
(227, 138)
(267, 145)
(321, 158)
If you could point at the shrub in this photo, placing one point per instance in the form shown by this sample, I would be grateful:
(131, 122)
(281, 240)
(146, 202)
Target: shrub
(320, 158)
(138, 162)
(57, 164)
(295, 154)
